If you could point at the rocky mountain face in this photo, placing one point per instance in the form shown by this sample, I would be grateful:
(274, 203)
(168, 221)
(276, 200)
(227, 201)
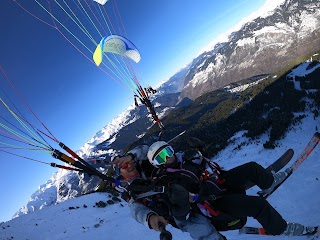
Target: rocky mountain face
(263, 45)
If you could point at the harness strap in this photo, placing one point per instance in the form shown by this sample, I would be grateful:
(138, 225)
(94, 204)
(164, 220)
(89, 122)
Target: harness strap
(210, 209)
(172, 170)
(156, 190)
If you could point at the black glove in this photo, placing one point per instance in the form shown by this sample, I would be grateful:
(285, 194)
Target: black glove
(197, 144)
(192, 154)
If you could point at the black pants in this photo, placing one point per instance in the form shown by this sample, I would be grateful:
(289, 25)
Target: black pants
(236, 203)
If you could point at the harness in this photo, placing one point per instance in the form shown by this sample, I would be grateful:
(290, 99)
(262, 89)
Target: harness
(154, 189)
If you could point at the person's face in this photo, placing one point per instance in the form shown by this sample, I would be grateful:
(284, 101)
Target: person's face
(128, 170)
(170, 160)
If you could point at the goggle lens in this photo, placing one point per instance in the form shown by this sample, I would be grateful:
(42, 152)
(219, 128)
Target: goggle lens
(161, 157)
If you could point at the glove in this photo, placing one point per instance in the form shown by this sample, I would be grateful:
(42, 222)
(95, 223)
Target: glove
(154, 221)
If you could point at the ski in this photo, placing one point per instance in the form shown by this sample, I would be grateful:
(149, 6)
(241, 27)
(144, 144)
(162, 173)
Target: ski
(252, 230)
(276, 165)
(261, 231)
(301, 158)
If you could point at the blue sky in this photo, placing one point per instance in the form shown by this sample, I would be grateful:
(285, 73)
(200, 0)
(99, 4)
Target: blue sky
(70, 95)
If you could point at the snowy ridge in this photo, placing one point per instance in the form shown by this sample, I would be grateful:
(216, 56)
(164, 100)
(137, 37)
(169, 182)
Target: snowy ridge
(262, 44)
(266, 10)
(107, 132)
(47, 191)
(63, 185)
(241, 88)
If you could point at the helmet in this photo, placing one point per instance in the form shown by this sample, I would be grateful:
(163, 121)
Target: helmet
(158, 152)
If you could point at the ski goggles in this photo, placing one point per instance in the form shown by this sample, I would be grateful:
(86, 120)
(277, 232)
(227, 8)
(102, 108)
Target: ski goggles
(161, 157)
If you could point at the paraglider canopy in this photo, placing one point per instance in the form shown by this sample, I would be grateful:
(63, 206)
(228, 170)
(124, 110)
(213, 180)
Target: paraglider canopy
(118, 45)
(102, 2)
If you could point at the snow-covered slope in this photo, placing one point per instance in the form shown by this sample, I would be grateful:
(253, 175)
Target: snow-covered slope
(47, 191)
(297, 200)
(63, 185)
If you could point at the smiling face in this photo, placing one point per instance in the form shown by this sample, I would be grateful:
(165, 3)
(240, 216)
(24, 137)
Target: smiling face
(129, 171)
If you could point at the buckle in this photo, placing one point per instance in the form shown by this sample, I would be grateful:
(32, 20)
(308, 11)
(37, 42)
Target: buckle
(159, 189)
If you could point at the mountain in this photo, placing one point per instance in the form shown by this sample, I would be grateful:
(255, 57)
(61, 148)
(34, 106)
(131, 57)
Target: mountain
(101, 216)
(263, 102)
(263, 45)
(215, 118)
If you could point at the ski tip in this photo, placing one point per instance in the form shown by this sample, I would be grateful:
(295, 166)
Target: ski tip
(317, 134)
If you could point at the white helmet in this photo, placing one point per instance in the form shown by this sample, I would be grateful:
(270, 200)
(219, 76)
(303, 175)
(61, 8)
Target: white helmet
(155, 149)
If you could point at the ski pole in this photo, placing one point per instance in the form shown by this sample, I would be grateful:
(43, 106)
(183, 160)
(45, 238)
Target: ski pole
(176, 136)
(164, 235)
